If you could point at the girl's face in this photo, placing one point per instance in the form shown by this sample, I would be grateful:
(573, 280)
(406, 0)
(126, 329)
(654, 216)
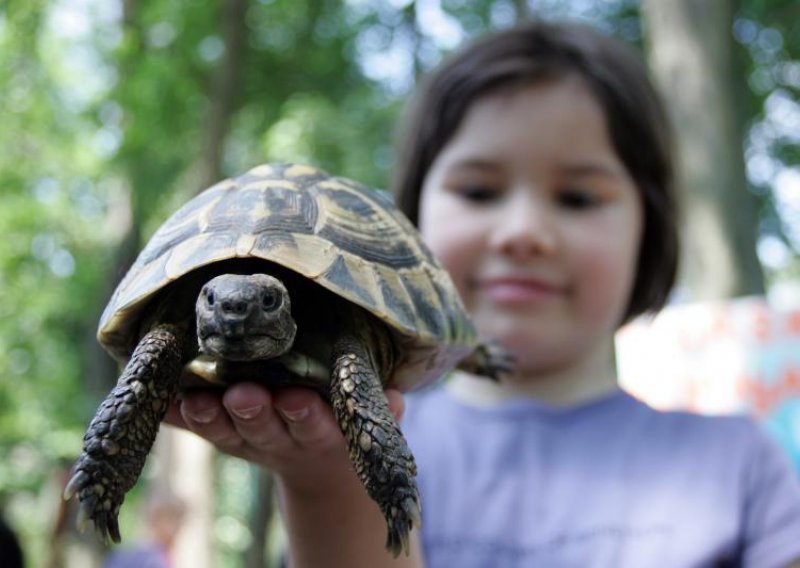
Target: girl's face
(538, 222)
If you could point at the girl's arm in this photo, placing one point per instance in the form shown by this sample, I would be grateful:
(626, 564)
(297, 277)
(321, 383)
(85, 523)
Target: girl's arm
(330, 520)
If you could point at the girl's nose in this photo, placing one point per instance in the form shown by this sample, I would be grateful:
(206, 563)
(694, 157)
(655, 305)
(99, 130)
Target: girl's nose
(525, 228)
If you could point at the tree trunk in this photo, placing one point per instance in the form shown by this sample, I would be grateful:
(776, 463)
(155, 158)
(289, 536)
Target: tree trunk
(187, 470)
(100, 370)
(522, 10)
(225, 85)
(691, 53)
(412, 29)
(258, 554)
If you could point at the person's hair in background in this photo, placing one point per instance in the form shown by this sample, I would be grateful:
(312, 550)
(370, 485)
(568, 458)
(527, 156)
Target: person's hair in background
(536, 53)
(163, 514)
(10, 549)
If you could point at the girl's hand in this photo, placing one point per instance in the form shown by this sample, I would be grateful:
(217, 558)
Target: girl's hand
(292, 432)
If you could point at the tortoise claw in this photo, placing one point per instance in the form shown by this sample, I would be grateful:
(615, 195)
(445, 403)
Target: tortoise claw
(80, 479)
(106, 526)
(400, 522)
(94, 507)
(491, 360)
(84, 514)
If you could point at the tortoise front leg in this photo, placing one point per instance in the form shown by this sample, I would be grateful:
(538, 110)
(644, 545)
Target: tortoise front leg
(378, 450)
(124, 428)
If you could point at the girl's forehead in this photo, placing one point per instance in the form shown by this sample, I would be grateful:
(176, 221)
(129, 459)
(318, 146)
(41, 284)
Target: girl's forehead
(555, 118)
(570, 96)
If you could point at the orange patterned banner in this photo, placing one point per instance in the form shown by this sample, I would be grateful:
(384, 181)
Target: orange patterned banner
(737, 356)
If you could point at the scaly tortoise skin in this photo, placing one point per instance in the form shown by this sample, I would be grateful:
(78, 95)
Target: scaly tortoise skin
(288, 276)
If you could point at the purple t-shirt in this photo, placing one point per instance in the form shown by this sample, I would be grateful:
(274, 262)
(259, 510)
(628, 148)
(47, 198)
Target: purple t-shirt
(143, 556)
(609, 484)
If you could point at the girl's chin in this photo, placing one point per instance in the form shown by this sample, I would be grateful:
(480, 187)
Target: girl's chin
(530, 350)
(518, 337)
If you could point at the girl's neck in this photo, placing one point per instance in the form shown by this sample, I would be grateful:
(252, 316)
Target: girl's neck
(565, 386)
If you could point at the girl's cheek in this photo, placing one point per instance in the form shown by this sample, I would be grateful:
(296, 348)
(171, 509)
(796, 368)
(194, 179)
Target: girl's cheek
(455, 260)
(455, 250)
(606, 280)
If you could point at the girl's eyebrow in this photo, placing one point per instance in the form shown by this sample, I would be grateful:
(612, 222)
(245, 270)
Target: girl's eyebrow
(469, 163)
(578, 169)
(592, 169)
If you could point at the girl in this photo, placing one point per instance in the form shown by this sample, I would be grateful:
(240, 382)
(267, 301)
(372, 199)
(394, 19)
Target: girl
(538, 169)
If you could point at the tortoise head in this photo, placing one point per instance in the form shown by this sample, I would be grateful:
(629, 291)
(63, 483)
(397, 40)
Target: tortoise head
(242, 317)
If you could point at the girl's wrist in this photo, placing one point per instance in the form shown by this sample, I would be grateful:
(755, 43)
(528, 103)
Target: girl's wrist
(319, 486)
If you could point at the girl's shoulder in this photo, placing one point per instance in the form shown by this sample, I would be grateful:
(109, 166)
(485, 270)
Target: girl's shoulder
(618, 416)
(731, 431)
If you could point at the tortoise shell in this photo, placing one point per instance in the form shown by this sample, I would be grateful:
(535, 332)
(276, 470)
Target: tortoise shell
(333, 231)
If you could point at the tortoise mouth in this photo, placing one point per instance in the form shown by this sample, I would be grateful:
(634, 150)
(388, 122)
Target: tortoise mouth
(241, 347)
(240, 337)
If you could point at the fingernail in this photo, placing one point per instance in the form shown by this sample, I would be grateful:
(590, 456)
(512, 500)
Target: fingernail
(295, 415)
(204, 416)
(247, 413)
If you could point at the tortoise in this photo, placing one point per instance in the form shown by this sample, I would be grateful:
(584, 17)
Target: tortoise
(287, 275)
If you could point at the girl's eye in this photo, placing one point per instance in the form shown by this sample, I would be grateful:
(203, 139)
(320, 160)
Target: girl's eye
(578, 199)
(478, 193)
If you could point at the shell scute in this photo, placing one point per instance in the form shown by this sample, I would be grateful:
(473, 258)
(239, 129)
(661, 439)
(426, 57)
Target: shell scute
(360, 226)
(397, 300)
(340, 275)
(427, 308)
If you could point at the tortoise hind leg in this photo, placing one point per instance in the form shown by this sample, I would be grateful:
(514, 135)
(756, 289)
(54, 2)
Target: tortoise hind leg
(123, 430)
(490, 360)
(378, 450)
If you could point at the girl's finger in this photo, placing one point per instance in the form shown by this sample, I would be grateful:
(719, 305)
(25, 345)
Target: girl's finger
(203, 414)
(309, 419)
(250, 409)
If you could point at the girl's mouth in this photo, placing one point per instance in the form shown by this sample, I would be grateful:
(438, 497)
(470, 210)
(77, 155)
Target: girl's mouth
(518, 289)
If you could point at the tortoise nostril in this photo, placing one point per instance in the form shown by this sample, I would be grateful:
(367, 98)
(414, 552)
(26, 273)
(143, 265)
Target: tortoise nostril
(235, 307)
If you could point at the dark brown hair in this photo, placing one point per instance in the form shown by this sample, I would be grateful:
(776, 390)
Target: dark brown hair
(540, 51)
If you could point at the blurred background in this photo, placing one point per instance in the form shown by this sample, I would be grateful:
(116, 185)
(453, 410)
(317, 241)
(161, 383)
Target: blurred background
(114, 112)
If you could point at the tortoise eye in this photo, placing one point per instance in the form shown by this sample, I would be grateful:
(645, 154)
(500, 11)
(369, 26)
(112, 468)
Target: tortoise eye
(210, 298)
(270, 301)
